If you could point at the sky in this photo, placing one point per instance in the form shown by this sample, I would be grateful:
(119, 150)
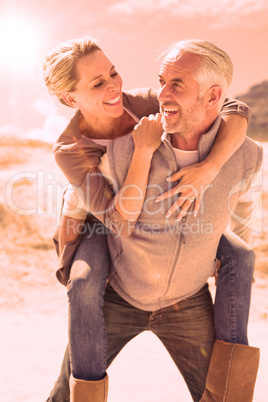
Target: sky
(132, 33)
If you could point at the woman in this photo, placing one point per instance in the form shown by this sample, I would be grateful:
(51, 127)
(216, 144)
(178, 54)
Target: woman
(81, 76)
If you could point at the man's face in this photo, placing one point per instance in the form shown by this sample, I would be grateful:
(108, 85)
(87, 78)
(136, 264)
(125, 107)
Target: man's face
(180, 104)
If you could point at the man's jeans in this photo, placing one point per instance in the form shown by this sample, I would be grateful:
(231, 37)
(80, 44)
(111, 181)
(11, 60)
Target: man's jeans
(186, 329)
(172, 325)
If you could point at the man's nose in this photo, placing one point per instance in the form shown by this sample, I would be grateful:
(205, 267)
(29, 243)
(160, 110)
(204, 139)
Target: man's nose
(163, 93)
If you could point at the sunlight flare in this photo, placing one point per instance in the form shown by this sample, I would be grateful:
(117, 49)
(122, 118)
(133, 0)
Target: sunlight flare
(19, 40)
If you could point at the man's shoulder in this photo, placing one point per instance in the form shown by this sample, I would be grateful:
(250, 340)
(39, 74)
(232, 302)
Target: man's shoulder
(141, 101)
(121, 145)
(249, 145)
(252, 153)
(119, 153)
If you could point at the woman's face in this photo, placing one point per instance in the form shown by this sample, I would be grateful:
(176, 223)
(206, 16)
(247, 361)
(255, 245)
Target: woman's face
(99, 89)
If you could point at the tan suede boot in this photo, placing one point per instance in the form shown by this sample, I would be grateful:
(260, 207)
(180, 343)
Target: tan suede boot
(88, 391)
(232, 373)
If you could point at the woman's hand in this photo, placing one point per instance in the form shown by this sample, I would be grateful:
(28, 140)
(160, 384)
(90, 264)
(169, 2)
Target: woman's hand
(147, 133)
(193, 182)
(147, 138)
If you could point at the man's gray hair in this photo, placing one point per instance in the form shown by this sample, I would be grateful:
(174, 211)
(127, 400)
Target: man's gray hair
(216, 67)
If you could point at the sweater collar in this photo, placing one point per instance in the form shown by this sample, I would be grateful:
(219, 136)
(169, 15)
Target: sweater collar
(206, 140)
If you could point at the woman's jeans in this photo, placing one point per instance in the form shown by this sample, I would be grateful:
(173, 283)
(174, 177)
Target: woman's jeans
(87, 334)
(233, 293)
(86, 289)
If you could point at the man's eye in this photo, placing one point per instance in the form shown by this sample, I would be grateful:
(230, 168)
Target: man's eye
(177, 84)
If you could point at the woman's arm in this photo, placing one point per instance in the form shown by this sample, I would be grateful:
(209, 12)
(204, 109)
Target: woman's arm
(69, 231)
(72, 220)
(126, 205)
(130, 197)
(232, 134)
(196, 178)
(123, 209)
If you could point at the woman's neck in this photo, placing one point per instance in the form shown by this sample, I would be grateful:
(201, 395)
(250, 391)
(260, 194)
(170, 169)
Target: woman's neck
(106, 128)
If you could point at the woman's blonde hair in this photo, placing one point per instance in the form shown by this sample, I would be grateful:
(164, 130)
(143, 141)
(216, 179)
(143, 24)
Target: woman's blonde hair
(59, 66)
(216, 67)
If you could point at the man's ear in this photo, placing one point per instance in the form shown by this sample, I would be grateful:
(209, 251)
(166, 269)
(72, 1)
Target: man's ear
(69, 99)
(214, 96)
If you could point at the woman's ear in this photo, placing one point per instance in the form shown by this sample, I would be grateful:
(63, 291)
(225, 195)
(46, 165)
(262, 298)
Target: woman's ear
(214, 96)
(69, 99)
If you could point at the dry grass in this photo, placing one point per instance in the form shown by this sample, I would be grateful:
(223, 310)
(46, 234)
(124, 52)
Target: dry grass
(18, 151)
(26, 250)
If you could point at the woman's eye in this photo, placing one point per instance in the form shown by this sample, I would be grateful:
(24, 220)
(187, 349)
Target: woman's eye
(98, 85)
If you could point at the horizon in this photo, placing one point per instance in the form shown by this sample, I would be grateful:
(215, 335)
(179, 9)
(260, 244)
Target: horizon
(132, 34)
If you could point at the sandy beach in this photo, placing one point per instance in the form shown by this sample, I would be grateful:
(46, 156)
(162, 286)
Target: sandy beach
(33, 305)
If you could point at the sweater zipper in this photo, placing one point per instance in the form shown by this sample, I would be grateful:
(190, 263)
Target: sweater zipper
(176, 256)
(181, 240)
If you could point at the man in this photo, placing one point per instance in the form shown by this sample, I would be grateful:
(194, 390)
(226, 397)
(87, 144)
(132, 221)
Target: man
(160, 267)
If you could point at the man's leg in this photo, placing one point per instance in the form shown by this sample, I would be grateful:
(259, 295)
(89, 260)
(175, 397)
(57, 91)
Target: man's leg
(187, 331)
(233, 293)
(234, 365)
(61, 390)
(123, 323)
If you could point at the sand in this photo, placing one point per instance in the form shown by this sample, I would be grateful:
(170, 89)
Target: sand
(33, 305)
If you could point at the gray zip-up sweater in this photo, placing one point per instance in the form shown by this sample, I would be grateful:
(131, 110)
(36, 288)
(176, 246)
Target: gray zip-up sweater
(78, 158)
(160, 261)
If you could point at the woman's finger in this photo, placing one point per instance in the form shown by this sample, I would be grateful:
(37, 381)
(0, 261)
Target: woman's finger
(185, 191)
(175, 206)
(184, 209)
(175, 176)
(197, 205)
(166, 194)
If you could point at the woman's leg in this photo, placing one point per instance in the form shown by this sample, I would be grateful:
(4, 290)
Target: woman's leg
(232, 301)
(86, 288)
